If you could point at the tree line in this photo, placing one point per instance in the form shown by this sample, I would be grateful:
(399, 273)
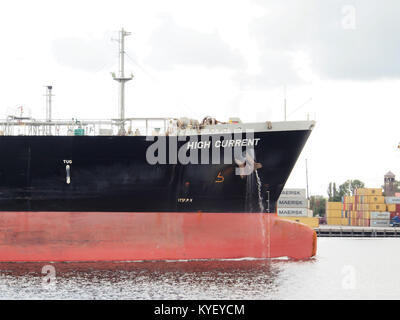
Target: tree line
(335, 194)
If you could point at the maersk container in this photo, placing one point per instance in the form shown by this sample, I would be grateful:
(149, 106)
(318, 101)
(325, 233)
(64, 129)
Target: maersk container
(293, 212)
(292, 202)
(392, 200)
(292, 193)
(380, 215)
(380, 223)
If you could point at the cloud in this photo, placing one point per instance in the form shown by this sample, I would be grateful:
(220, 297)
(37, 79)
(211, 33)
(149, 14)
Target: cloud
(173, 45)
(88, 54)
(344, 39)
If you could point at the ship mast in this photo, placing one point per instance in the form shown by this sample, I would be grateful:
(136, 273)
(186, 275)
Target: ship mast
(122, 79)
(48, 95)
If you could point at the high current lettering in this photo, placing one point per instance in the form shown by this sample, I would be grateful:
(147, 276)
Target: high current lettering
(224, 143)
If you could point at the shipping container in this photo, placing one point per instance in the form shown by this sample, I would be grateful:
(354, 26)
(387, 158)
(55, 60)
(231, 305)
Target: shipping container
(392, 200)
(361, 191)
(361, 199)
(311, 222)
(293, 193)
(379, 215)
(333, 205)
(361, 207)
(368, 192)
(375, 199)
(375, 191)
(394, 214)
(348, 206)
(380, 223)
(293, 212)
(334, 213)
(377, 207)
(293, 202)
(333, 221)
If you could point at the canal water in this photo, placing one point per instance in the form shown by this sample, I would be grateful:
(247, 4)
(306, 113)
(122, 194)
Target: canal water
(344, 268)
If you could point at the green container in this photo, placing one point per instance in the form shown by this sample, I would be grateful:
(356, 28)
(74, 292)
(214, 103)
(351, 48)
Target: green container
(79, 132)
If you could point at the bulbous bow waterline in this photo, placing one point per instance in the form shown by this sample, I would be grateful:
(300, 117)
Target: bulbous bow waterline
(131, 236)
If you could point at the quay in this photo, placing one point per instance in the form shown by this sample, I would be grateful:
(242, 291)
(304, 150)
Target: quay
(353, 231)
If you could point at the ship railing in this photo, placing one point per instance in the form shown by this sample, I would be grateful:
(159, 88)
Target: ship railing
(89, 127)
(14, 126)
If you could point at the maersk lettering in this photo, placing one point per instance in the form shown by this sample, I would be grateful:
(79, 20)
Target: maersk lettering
(291, 202)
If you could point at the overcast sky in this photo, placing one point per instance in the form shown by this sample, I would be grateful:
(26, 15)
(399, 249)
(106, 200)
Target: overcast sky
(340, 62)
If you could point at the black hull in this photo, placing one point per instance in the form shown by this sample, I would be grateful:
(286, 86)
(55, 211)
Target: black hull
(112, 174)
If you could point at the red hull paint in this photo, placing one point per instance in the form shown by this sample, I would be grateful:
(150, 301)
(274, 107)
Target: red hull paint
(127, 236)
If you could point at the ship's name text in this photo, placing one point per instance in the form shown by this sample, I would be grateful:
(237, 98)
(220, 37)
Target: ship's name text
(223, 144)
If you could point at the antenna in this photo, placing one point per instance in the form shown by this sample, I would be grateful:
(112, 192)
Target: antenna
(48, 102)
(122, 79)
(48, 96)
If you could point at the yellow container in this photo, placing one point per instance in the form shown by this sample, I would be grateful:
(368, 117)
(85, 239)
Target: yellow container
(377, 207)
(362, 199)
(334, 213)
(334, 221)
(348, 206)
(362, 207)
(375, 192)
(391, 207)
(376, 199)
(369, 192)
(344, 221)
(311, 222)
(361, 192)
(333, 205)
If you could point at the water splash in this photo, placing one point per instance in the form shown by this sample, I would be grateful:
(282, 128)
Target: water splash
(249, 193)
(264, 218)
(260, 198)
(265, 238)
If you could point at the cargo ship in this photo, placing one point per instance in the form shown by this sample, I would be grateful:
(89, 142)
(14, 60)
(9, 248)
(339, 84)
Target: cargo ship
(130, 189)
